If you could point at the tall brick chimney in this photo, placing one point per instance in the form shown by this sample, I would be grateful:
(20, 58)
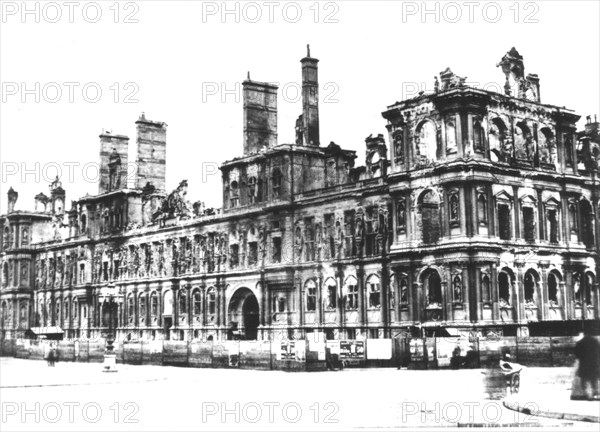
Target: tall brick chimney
(113, 162)
(151, 153)
(260, 115)
(310, 99)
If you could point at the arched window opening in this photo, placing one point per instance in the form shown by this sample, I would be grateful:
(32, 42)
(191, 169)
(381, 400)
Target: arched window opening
(573, 218)
(311, 296)
(197, 303)
(430, 217)
(331, 294)
(182, 303)
(587, 223)
(486, 294)
(130, 306)
(504, 222)
(374, 290)
(154, 304)
(143, 311)
(504, 288)
(530, 288)
(281, 304)
(552, 216)
(587, 291)
(351, 293)
(477, 136)
(552, 289)
(276, 183)
(529, 225)
(234, 193)
(404, 291)
(426, 142)
(433, 288)
(482, 209)
(212, 301)
(252, 191)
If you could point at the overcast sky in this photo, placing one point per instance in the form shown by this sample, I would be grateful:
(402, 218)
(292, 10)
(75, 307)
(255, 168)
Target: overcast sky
(178, 54)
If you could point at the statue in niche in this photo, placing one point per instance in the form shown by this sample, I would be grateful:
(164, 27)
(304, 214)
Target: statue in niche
(262, 243)
(359, 230)
(454, 208)
(24, 271)
(521, 138)
(300, 130)
(457, 288)
(507, 149)
(530, 147)
(398, 146)
(25, 237)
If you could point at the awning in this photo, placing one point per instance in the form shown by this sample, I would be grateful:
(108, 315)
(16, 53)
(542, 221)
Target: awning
(452, 331)
(46, 331)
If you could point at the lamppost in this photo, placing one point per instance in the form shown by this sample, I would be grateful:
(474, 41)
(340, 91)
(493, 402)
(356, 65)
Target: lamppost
(108, 294)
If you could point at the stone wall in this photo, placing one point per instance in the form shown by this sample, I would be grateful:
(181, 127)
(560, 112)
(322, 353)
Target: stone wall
(415, 353)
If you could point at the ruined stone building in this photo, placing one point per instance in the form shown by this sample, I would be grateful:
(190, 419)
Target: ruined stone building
(481, 213)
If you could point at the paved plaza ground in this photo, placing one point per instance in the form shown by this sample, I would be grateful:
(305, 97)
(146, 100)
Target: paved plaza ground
(79, 396)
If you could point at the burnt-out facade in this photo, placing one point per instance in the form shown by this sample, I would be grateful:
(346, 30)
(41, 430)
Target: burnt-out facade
(481, 213)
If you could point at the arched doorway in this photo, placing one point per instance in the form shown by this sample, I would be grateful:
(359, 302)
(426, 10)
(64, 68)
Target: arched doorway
(432, 290)
(429, 207)
(244, 315)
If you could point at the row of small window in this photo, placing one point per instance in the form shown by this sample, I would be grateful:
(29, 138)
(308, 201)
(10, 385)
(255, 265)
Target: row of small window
(430, 216)
(254, 189)
(182, 303)
(253, 253)
(351, 298)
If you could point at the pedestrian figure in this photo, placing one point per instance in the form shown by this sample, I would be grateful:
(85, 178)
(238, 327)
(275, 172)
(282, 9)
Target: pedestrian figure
(587, 351)
(48, 354)
(51, 357)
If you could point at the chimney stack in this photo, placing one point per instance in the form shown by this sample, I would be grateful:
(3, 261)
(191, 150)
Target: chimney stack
(260, 115)
(310, 99)
(151, 153)
(113, 162)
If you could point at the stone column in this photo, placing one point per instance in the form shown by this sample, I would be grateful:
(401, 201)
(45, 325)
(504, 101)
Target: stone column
(569, 299)
(339, 316)
(362, 305)
(543, 310)
(494, 293)
(319, 308)
(542, 234)
(519, 294)
(516, 213)
(385, 307)
(418, 311)
(446, 301)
